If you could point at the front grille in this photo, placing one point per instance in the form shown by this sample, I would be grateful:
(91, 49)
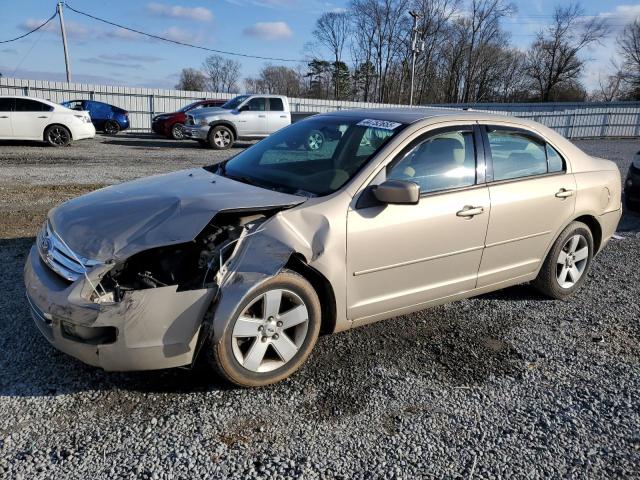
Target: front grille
(60, 258)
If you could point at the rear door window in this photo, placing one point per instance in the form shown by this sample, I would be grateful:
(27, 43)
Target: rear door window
(276, 105)
(7, 104)
(28, 105)
(516, 155)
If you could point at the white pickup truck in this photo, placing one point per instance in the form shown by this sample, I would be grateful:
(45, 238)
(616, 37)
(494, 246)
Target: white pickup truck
(246, 117)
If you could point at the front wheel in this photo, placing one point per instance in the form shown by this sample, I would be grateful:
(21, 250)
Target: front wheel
(176, 131)
(566, 267)
(57, 136)
(271, 334)
(220, 138)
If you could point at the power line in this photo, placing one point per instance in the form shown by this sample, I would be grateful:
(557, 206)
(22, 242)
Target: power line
(184, 44)
(32, 31)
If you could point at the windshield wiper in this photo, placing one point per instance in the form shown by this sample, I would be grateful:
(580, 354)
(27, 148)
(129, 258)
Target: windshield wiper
(245, 179)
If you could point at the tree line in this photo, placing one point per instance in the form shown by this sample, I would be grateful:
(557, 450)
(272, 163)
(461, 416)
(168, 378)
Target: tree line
(466, 57)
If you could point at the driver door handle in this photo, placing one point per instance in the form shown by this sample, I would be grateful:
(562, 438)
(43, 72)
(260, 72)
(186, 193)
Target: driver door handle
(43, 116)
(469, 211)
(4, 116)
(564, 193)
(261, 116)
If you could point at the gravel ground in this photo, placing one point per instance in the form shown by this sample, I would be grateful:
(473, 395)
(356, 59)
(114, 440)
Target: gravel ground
(508, 385)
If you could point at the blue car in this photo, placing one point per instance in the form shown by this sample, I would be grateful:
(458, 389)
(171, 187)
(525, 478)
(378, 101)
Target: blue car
(106, 118)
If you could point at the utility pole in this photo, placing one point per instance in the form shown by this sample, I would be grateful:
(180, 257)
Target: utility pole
(64, 40)
(417, 46)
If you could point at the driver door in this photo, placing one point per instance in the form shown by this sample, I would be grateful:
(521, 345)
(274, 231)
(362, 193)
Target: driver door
(253, 118)
(400, 257)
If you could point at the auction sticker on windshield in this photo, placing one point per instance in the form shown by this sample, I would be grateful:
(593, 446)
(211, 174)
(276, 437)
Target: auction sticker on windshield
(383, 124)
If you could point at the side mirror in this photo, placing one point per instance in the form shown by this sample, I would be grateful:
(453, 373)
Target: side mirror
(400, 192)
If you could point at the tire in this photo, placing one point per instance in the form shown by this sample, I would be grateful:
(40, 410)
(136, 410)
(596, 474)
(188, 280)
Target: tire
(220, 138)
(567, 260)
(111, 127)
(315, 140)
(57, 136)
(176, 132)
(271, 342)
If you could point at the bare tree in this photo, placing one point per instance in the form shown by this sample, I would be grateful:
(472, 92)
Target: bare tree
(629, 48)
(222, 73)
(610, 89)
(278, 80)
(554, 58)
(192, 80)
(332, 31)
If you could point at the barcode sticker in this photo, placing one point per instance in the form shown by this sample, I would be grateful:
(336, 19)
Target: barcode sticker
(383, 124)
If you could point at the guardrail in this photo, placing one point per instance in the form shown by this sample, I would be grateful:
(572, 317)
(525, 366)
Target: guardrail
(573, 120)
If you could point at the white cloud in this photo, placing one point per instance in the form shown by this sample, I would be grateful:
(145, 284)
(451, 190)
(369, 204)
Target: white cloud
(200, 14)
(269, 30)
(180, 35)
(73, 29)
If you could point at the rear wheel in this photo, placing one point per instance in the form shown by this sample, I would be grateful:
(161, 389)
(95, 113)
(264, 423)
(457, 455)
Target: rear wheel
(220, 138)
(272, 332)
(176, 131)
(57, 136)
(111, 127)
(566, 267)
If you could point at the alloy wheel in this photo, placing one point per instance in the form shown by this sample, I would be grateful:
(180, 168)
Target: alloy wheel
(572, 261)
(177, 132)
(58, 136)
(270, 330)
(315, 141)
(222, 138)
(111, 128)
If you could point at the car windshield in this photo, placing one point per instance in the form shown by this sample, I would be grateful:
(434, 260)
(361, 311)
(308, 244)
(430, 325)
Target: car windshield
(314, 157)
(234, 102)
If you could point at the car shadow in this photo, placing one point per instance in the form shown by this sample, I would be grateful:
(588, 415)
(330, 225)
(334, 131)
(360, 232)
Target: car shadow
(23, 143)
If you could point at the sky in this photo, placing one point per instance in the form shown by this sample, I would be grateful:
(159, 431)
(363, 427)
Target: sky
(102, 54)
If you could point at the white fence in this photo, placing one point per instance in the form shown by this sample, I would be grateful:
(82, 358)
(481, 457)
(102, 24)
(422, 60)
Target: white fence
(573, 120)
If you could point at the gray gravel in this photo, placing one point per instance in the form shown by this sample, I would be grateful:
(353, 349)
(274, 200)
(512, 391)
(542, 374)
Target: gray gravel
(508, 385)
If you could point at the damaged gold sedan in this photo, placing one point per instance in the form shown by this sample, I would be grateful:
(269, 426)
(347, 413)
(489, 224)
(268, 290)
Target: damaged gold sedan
(246, 262)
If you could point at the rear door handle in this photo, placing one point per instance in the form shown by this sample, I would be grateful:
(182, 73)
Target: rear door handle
(43, 116)
(469, 211)
(564, 193)
(262, 116)
(4, 116)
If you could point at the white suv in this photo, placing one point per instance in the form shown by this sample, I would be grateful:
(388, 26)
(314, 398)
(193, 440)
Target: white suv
(25, 118)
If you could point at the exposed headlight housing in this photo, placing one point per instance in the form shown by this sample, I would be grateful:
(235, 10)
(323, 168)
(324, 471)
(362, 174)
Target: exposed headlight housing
(203, 122)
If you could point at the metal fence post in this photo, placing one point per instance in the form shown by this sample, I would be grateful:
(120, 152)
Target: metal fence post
(152, 108)
(605, 124)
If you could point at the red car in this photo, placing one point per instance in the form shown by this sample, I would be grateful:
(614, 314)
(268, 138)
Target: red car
(170, 124)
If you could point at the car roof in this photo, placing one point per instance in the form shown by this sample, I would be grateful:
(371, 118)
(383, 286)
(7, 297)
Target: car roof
(48, 102)
(408, 115)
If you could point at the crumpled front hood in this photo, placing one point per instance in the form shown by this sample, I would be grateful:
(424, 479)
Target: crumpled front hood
(118, 221)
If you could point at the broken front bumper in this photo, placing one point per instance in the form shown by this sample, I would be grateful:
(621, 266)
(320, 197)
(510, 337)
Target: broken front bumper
(196, 132)
(149, 329)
